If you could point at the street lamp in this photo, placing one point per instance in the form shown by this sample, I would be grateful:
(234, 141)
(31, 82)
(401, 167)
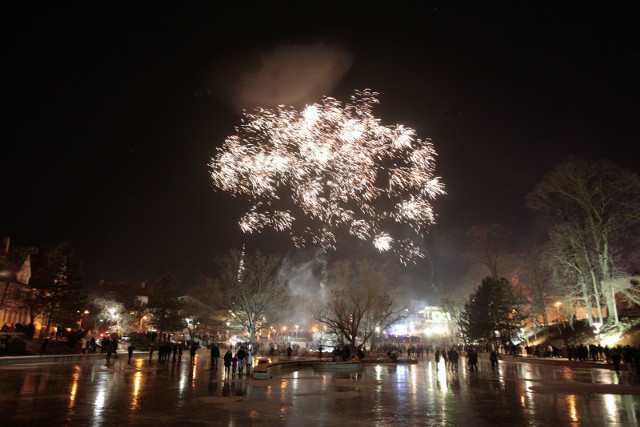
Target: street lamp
(558, 304)
(81, 318)
(596, 330)
(114, 319)
(141, 319)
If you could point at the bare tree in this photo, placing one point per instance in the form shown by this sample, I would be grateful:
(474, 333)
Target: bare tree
(489, 243)
(575, 273)
(358, 303)
(453, 303)
(628, 288)
(537, 276)
(595, 205)
(113, 312)
(249, 288)
(204, 307)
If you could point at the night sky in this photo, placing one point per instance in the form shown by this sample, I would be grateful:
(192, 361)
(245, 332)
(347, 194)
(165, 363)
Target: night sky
(114, 112)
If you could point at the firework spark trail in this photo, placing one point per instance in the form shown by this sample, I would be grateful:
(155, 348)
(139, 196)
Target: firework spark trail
(335, 166)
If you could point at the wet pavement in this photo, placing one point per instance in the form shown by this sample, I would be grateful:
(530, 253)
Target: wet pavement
(91, 393)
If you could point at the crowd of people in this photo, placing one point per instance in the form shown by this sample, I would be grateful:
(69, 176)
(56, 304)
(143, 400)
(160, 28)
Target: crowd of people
(240, 362)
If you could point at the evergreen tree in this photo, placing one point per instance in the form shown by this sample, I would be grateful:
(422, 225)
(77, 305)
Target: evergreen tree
(164, 305)
(494, 306)
(59, 287)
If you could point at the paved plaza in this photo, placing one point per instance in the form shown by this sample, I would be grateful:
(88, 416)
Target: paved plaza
(93, 393)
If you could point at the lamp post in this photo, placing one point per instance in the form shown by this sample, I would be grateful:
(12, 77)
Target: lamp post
(374, 336)
(82, 318)
(558, 304)
(141, 319)
(114, 318)
(596, 330)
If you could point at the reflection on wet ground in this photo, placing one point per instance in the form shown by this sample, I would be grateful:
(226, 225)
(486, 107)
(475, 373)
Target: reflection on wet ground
(152, 393)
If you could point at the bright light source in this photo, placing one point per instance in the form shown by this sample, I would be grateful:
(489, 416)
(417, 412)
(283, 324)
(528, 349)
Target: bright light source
(596, 327)
(610, 340)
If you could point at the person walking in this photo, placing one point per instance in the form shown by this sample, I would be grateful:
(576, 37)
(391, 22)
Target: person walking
(227, 362)
(106, 342)
(472, 355)
(453, 357)
(43, 345)
(130, 352)
(234, 364)
(616, 358)
(493, 357)
(152, 348)
(249, 361)
(109, 349)
(192, 352)
(215, 355)
(241, 354)
(444, 355)
(289, 351)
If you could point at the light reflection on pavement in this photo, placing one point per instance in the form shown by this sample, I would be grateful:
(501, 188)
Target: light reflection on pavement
(152, 393)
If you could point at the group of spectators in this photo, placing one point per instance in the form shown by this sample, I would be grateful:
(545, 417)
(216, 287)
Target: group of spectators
(241, 361)
(19, 328)
(542, 350)
(450, 357)
(342, 353)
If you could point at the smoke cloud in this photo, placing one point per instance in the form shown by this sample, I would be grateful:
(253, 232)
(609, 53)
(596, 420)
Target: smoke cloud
(288, 75)
(304, 272)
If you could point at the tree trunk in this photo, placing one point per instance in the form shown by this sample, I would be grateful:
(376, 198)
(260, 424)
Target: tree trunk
(587, 303)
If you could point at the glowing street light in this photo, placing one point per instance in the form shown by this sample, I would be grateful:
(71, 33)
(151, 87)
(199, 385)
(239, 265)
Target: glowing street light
(596, 330)
(141, 319)
(114, 318)
(81, 318)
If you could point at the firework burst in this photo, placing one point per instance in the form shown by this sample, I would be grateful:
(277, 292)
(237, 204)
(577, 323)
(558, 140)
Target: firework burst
(327, 168)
